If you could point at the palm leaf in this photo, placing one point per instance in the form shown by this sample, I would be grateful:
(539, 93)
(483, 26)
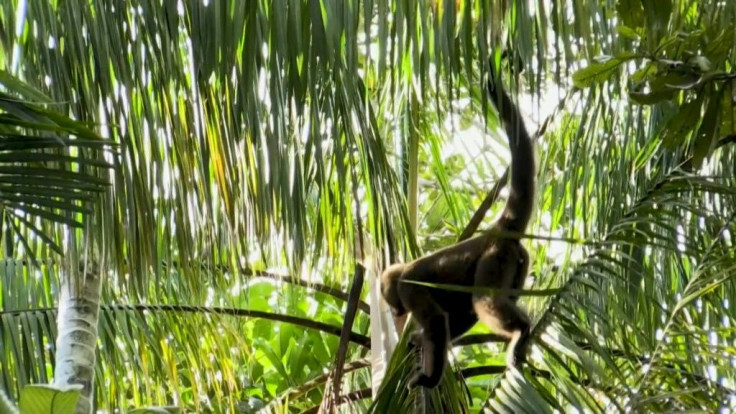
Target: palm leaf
(50, 169)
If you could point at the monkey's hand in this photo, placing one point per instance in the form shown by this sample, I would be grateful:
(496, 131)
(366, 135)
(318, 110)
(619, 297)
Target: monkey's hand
(423, 380)
(415, 340)
(420, 378)
(434, 340)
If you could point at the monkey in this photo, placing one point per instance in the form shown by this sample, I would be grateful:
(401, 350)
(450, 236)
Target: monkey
(496, 259)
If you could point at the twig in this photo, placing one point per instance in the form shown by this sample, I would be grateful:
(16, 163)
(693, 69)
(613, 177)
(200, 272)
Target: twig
(350, 397)
(491, 197)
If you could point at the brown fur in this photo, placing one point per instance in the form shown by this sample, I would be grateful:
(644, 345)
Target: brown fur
(489, 261)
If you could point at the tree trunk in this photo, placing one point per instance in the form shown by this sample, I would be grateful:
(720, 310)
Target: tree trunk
(383, 331)
(76, 342)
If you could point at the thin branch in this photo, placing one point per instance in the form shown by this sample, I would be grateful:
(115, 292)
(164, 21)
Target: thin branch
(359, 339)
(329, 399)
(347, 398)
(728, 139)
(478, 339)
(304, 322)
(328, 402)
(319, 287)
(488, 201)
(481, 370)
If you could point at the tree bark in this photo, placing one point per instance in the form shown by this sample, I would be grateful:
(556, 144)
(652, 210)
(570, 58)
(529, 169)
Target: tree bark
(76, 342)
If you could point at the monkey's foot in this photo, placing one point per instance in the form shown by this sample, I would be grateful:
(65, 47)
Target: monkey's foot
(516, 353)
(515, 358)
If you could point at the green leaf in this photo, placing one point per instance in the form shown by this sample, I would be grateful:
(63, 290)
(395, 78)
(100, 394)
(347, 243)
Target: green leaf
(627, 32)
(631, 13)
(664, 86)
(644, 73)
(600, 71)
(719, 47)
(651, 98)
(658, 14)
(673, 81)
(707, 134)
(28, 91)
(47, 399)
(680, 124)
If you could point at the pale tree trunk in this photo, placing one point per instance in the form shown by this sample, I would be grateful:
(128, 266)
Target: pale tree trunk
(76, 342)
(383, 331)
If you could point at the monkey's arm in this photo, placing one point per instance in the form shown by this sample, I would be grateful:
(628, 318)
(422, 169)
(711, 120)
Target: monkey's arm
(435, 335)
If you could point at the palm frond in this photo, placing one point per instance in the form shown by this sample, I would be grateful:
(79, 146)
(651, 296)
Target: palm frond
(619, 334)
(52, 169)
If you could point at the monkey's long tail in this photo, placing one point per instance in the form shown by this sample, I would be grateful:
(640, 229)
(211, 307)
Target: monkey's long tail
(518, 209)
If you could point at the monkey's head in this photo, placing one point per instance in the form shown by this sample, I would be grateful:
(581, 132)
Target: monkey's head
(390, 288)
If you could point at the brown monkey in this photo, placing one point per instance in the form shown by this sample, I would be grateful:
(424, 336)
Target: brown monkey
(495, 259)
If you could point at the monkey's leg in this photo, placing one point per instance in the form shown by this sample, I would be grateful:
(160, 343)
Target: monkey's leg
(435, 332)
(461, 322)
(504, 317)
